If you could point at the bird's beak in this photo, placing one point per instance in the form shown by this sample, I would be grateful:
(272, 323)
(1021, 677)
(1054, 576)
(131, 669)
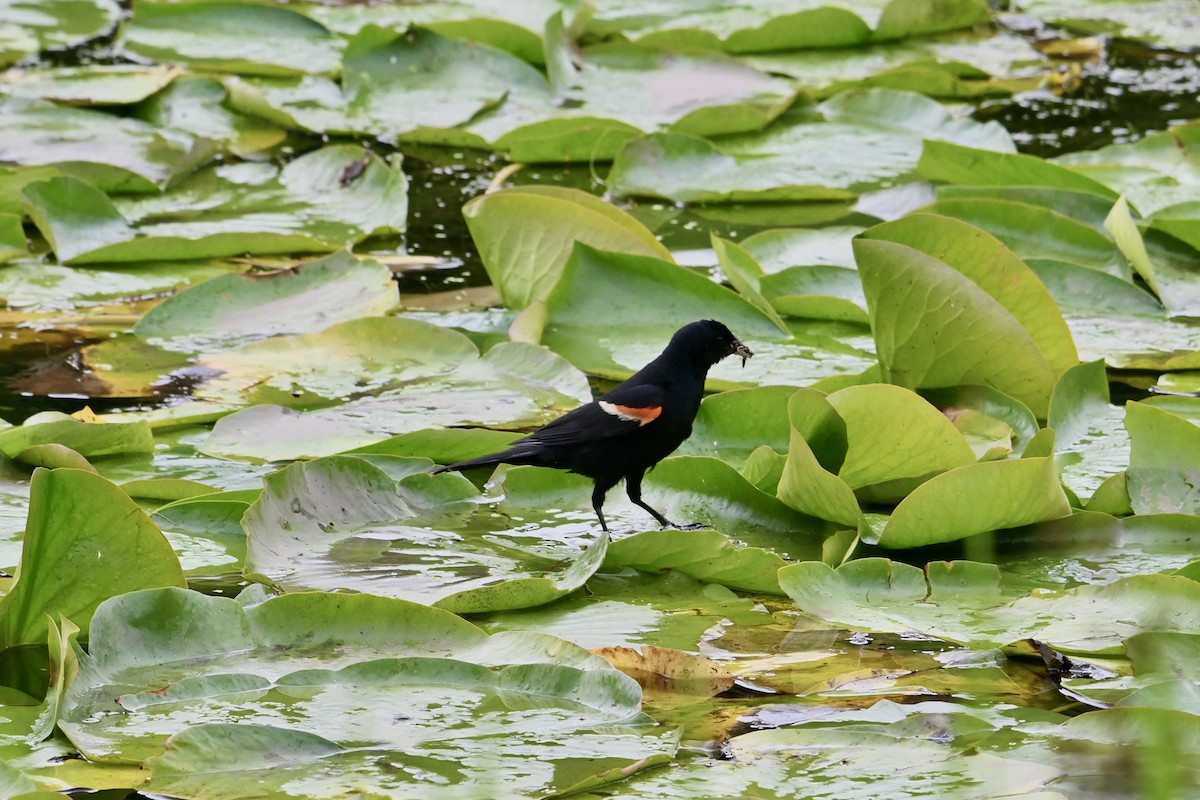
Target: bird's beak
(740, 349)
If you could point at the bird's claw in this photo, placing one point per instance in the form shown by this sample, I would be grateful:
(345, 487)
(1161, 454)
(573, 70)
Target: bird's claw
(692, 526)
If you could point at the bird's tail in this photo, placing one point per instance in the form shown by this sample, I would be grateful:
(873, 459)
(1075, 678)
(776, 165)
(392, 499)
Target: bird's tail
(513, 455)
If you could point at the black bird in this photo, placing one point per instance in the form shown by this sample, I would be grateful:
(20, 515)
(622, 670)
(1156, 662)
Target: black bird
(633, 427)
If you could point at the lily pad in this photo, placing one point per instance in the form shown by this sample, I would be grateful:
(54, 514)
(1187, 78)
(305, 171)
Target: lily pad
(1032, 231)
(55, 23)
(808, 483)
(1156, 171)
(779, 249)
(732, 425)
(1163, 468)
(231, 37)
(232, 309)
(89, 439)
(817, 292)
(907, 763)
(966, 164)
(114, 153)
(962, 601)
(611, 314)
(325, 212)
(119, 84)
(693, 488)
(893, 434)
(85, 542)
(199, 105)
(797, 159)
(40, 287)
(769, 26)
(1158, 23)
(705, 555)
(936, 327)
(393, 85)
(376, 393)
(363, 529)
(635, 609)
(974, 499)
(1088, 547)
(525, 235)
(1090, 434)
(228, 668)
(954, 66)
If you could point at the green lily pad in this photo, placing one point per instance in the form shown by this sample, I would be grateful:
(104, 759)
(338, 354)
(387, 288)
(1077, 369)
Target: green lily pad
(770, 26)
(705, 555)
(363, 529)
(239, 308)
(115, 153)
(85, 542)
(976, 498)
(86, 438)
(444, 446)
(393, 85)
(943, 66)
(962, 163)
(808, 483)
(611, 314)
(1031, 231)
(1118, 322)
(745, 275)
(514, 26)
(373, 394)
(987, 404)
(525, 235)
(1156, 171)
(962, 601)
(779, 249)
(937, 327)
(199, 105)
(1005, 278)
(235, 37)
(338, 647)
(1163, 465)
(693, 488)
(1155, 22)
(54, 23)
(893, 434)
(41, 287)
(1088, 547)
(722, 96)
(732, 425)
(907, 763)
(119, 84)
(1092, 444)
(325, 211)
(817, 292)
(632, 609)
(792, 160)
(12, 238)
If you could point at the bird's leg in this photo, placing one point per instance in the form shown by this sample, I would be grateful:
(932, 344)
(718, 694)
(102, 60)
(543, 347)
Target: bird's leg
(633, 488)
(598, 493)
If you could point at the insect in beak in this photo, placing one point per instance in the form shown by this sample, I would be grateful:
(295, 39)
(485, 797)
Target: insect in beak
(740, 349)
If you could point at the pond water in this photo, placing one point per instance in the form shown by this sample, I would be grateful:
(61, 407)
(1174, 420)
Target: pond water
(1126, 93)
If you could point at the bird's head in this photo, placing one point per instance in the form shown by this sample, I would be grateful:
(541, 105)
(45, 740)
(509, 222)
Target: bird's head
(709, 341)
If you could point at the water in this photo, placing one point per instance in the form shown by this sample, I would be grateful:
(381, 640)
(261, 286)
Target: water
(1120, 95)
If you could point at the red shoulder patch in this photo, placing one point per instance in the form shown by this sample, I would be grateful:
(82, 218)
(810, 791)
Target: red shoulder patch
(641, 416)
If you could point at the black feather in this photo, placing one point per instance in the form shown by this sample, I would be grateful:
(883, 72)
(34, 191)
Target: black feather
(605, 445)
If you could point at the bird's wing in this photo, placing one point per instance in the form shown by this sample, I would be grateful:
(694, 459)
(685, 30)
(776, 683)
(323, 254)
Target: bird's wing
(622, 411)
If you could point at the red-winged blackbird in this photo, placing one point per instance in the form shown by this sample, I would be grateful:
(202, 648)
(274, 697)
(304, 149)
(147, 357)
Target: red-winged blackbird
(633, 427)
